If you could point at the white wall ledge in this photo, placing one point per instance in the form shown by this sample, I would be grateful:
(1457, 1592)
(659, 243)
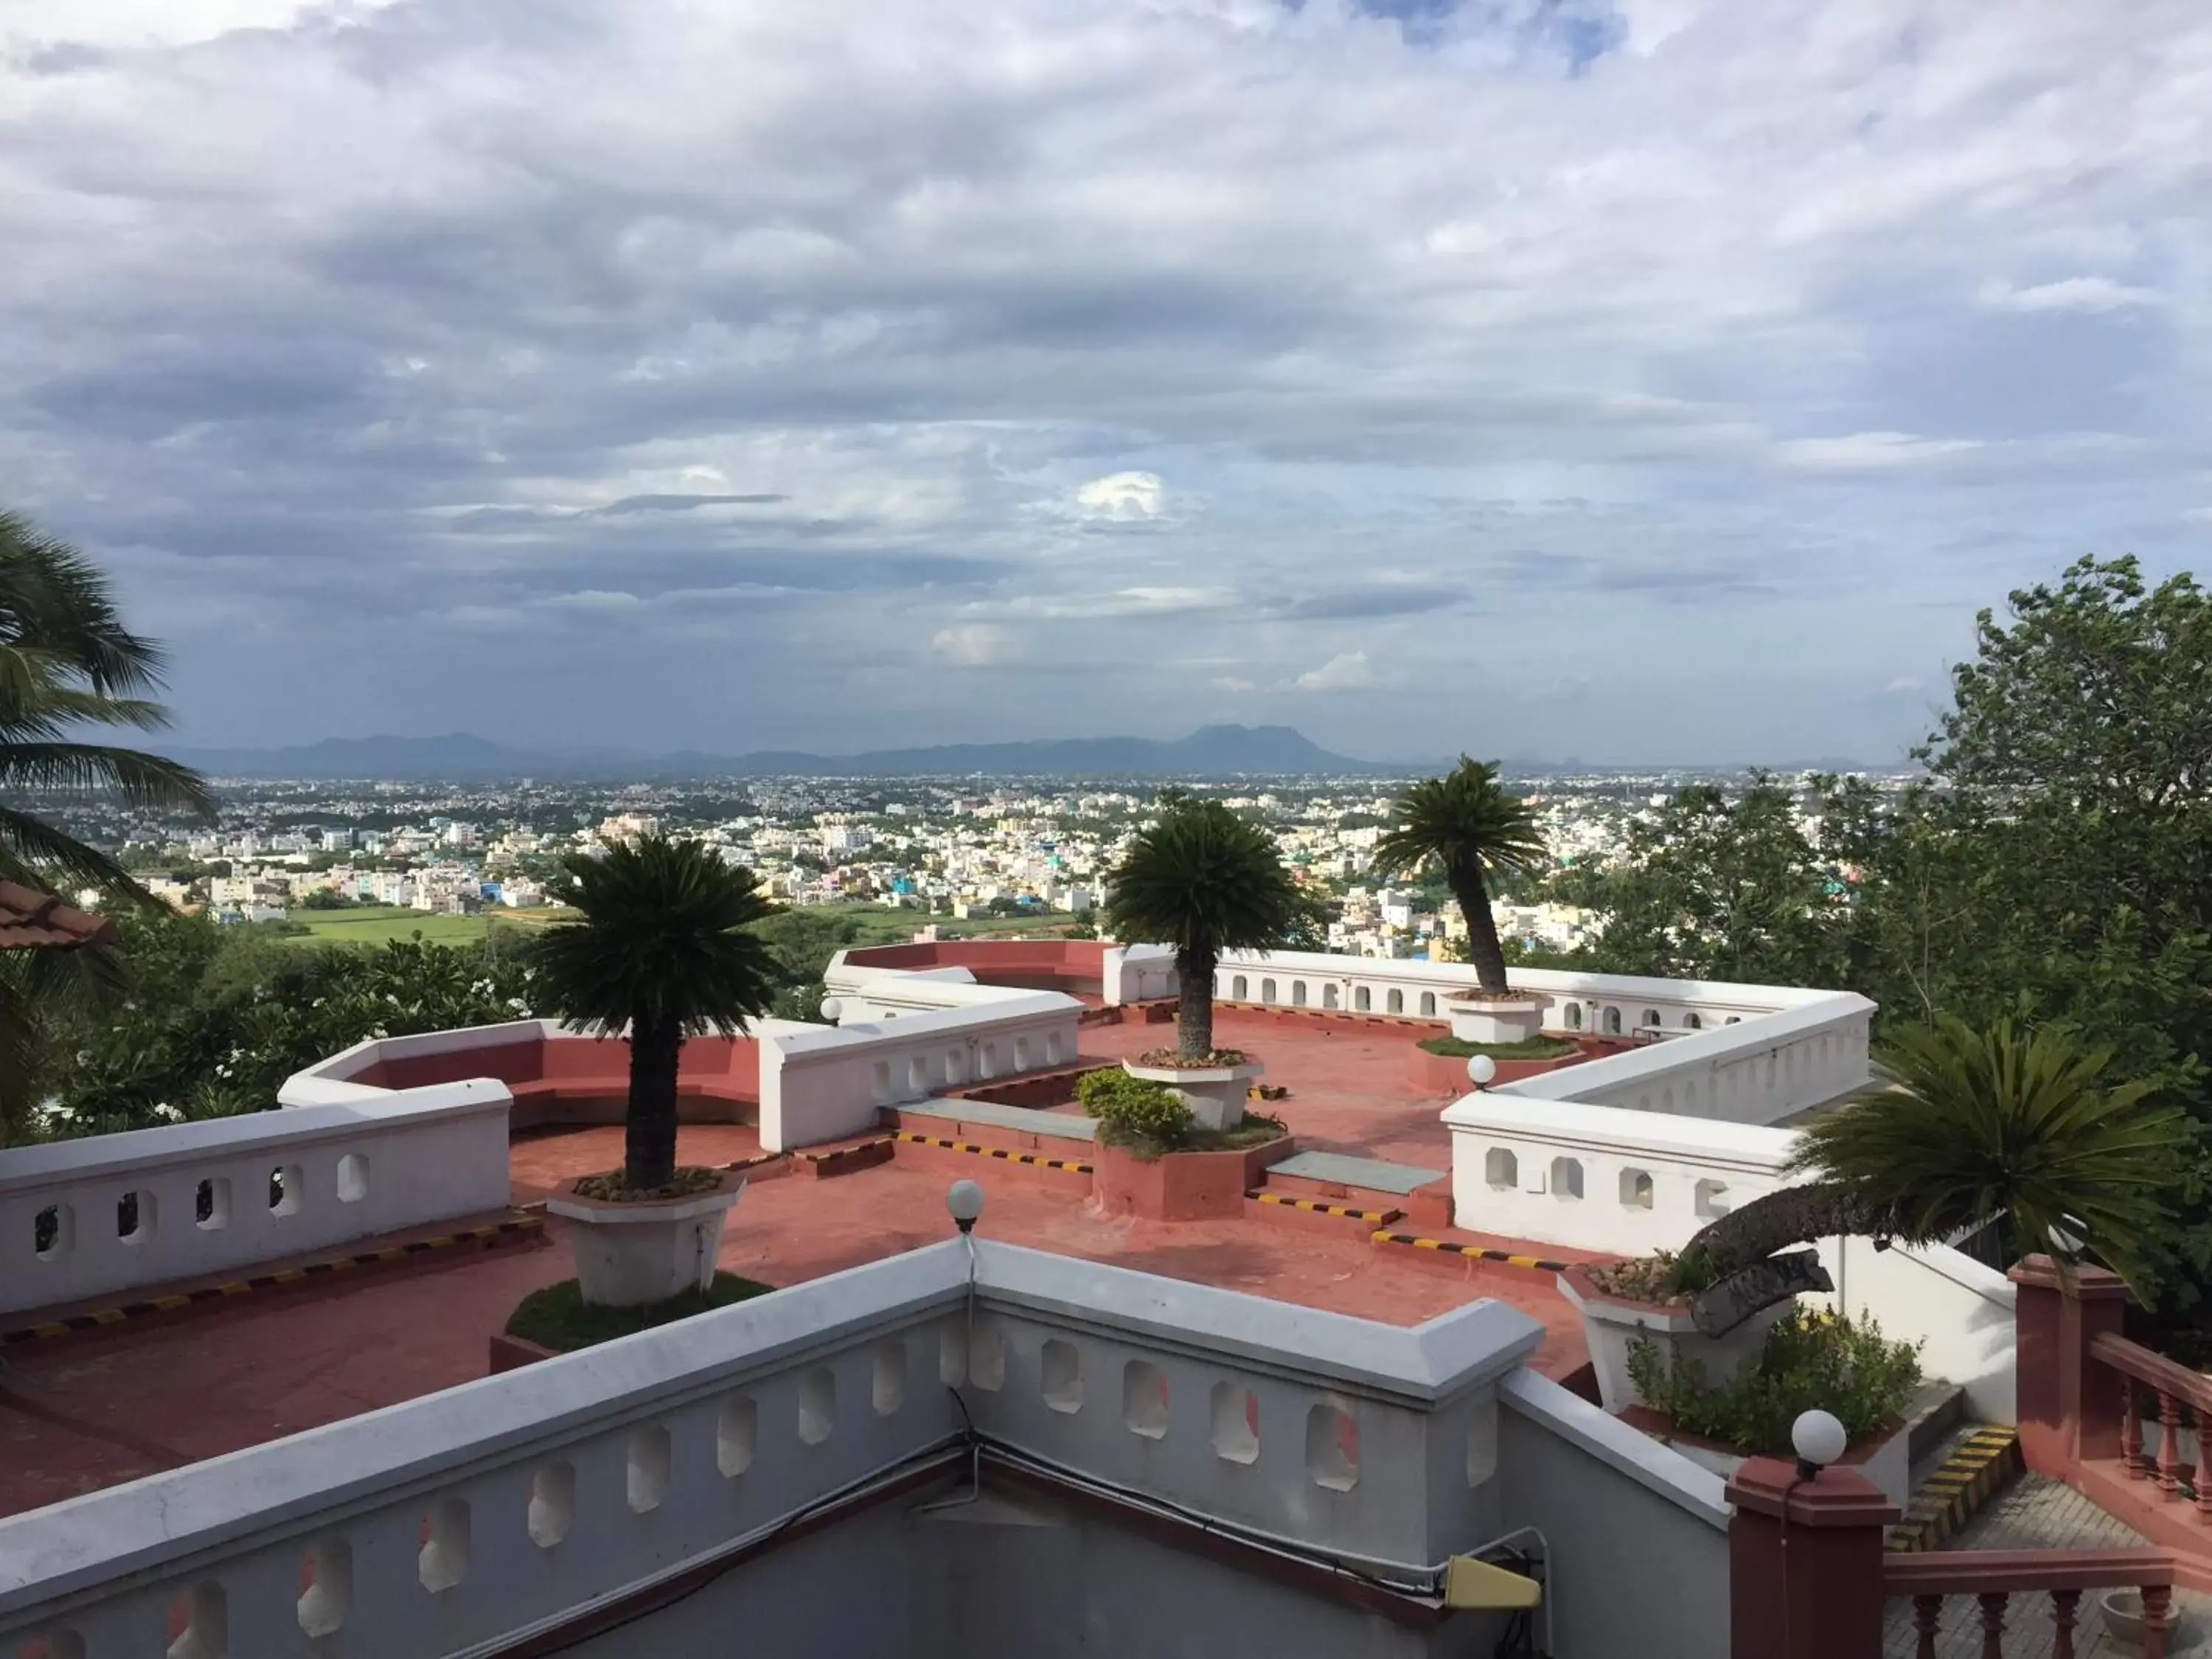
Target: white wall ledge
(1658, 1469)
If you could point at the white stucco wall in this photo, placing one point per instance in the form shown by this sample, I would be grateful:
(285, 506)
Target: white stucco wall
(822, 1083)
(481, 1511)
(1648, 1181)
(403, 1158)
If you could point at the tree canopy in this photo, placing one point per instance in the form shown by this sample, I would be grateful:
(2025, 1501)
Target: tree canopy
(1467, 826)
(1203, 880)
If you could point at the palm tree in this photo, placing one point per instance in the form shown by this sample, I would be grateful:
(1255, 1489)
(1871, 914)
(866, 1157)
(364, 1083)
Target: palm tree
(1203, 880)
(2018, 1127)
(1467, 826)
(66, 662)
(663, 944)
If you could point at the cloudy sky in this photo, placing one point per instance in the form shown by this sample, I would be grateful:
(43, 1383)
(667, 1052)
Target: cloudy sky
(1658, 380)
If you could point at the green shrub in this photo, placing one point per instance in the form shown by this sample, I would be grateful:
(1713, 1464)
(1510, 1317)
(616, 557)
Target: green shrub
(1535, 1047)
(559, 1318)
(1811, 1360)
(1139, 1116)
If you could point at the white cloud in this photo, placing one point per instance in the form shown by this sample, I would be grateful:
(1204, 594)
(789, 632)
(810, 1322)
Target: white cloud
(1347, 671)
(2087, 294)
(1122, 495)
(2199, 515)
(973, 645)
(1905, 682)
(391, 314)
(1871, 451)
(1233, 683)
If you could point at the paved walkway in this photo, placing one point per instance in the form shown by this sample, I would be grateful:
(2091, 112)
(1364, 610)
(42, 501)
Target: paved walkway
(2039, 1513)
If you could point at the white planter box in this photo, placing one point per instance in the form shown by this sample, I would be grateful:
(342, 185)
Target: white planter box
(1512, 1018)
(630, 1254)
(1216, 1095)
(1611, 1326)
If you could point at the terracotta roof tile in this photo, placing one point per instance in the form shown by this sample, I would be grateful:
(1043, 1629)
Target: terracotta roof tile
(30, 920)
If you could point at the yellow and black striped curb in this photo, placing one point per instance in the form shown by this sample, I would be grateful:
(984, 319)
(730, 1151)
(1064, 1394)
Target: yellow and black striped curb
(1030, 1158)
(1983, 1463)
(101, 1318)
(1472, 1252)
(1321, 1207)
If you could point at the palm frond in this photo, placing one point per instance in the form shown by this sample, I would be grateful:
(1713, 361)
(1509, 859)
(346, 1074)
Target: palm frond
(1463, 822)
(140, 779)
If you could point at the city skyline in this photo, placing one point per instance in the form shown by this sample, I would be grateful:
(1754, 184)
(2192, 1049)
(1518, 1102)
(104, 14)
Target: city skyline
(1607, 380)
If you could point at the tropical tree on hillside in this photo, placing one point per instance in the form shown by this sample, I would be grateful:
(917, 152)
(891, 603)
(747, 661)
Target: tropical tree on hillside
(2024, 1129)
(664, 944)
(67, 663)
(1467, 826)
(1203, 880)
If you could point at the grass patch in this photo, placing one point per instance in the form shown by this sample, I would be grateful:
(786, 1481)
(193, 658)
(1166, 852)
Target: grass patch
(383, 924)
(1535, 1047)
(1257, 1129)
(558, 1317)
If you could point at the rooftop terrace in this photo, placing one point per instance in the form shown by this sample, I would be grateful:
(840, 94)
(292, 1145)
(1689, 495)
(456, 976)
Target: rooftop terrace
(89, 1412)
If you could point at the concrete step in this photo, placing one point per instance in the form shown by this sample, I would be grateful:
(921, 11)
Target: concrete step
(1934, 1416)
(1366, 1183)
(1977, 1461)
(1350, 1220)
(1066, 1166)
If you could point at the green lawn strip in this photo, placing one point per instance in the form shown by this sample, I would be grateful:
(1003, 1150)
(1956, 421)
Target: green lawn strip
(559, 1318)
(1535, 1048)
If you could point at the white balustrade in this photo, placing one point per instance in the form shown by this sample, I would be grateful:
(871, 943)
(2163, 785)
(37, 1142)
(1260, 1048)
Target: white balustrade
(509, 1503)
(821, 1082)
(109, 1214)
(1601, 1177)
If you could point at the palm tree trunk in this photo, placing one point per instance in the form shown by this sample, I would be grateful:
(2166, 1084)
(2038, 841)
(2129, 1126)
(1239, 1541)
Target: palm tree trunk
(1194, 967)
(1483, 949)
(1791, 1215)
(649, 1128)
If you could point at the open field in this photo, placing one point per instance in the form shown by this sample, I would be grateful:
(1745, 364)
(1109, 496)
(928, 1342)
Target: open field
(380, 924)
(878, 924)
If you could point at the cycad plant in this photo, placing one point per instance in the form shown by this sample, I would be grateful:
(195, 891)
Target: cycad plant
(2024, 1129)
(1465, 825)
(66, 663)
(664, 944)
(1205, 881)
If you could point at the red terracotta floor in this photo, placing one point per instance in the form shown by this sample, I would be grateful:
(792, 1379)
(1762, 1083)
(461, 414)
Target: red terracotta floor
(1349, 1090)
(75, 1418)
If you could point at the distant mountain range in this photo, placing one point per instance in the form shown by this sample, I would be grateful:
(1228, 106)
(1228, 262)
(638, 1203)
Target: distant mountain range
(1210, 751)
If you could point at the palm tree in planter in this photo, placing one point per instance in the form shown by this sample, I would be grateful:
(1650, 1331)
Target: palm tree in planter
(2023, 1129)
(1466, 825)
(1205, 881)
(662, 944)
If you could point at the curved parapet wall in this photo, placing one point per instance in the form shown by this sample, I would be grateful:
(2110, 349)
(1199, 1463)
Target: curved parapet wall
(1074, 967)
(555, 1075)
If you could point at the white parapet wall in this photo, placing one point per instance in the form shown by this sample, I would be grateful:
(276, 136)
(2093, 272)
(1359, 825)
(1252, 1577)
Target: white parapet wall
(1601, 1177)
(1601, 1004)
(207, 1197)
(335, 1081)
(449, 1522)
(1760, 1070)
(1749, 1053)
(1631, 1183)
(823, 1083)
(1961, 1312)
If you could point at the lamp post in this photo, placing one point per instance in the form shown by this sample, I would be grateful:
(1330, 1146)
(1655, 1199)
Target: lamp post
(1480, 1068)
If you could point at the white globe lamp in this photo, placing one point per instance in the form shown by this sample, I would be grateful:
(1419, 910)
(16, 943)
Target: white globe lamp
(832, 1009)
(964, 1200)
(1480, 1068)
(1820, 1440)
